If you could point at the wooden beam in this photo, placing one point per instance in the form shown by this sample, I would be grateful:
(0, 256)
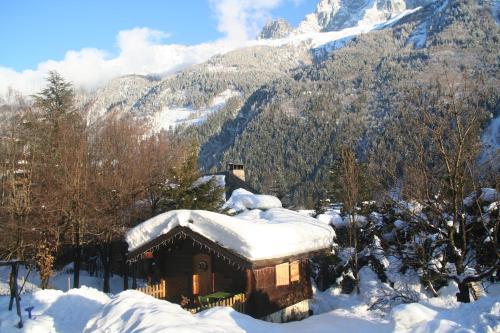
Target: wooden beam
(250, 282)
(273, 262)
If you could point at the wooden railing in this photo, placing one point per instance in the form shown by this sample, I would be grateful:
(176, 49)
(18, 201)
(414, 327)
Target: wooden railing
(237, 302)
(156, 290)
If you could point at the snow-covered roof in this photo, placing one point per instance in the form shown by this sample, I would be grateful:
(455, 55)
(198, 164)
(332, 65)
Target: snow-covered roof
(242, 199)
(254, 234)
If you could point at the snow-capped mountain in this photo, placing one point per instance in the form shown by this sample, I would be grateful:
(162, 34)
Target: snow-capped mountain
(357, 56)
(279, 49)
(334, 15)
(343, 16)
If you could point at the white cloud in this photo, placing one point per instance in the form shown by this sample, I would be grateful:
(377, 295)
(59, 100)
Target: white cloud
(240, 20)
(141, 51)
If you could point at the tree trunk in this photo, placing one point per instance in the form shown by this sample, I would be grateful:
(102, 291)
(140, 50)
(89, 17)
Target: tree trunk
(431, 287)
(106, 265)
(125, 269)
(323, 272)
(134, 275)
(77, 259)
(44, 283)
(125, 277)
(355, 261)
(463, 294)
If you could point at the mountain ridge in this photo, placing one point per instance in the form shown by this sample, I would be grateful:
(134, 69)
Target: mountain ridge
(278, 105)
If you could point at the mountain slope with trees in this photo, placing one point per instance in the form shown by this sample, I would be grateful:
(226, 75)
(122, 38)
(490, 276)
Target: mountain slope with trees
(291, 125)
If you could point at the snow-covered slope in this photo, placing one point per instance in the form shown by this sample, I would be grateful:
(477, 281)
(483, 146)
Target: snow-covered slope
(172, 116)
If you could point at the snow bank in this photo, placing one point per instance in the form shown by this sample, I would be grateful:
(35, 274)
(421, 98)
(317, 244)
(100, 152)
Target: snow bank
(480, 316)
(54, 311)
(133, 311)
(409, 315)
(253, 234)
(242, 199)
(88, 310)
(332, 217)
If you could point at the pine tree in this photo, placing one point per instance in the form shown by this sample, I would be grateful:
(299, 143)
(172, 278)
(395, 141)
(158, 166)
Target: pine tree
(181, 193)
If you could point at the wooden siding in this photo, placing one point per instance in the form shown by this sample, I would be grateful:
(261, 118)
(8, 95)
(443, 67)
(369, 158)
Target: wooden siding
(178, 286)
(174, 264)
(266, 297)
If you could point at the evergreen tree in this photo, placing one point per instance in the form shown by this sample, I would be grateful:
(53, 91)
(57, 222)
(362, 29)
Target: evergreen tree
(182, 192)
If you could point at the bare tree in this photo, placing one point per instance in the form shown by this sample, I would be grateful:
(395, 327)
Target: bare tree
(16, 181)
(118, 183)
(439, 144)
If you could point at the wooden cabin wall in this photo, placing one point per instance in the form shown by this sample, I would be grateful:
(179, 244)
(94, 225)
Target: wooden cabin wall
(227, 277)
(266, 298)
(174, 263)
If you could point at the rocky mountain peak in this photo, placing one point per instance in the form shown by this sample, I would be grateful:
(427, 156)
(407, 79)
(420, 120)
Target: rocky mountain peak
(279, 28)
(332, 15)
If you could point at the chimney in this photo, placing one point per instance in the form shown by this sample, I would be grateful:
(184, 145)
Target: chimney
(237, 170)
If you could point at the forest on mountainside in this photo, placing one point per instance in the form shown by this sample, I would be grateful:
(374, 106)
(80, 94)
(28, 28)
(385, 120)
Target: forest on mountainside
(287, 130)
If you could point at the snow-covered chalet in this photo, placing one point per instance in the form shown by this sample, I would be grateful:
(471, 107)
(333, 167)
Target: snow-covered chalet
(259, 256)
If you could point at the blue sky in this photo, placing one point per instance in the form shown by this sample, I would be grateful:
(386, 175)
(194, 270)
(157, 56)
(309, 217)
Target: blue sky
(34, 31)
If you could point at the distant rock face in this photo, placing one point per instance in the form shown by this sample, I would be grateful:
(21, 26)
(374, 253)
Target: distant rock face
(332, 15)
(276, 29)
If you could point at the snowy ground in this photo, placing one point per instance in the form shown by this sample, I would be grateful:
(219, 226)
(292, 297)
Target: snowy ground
(377, 309)
(59, 281)
(89, 310)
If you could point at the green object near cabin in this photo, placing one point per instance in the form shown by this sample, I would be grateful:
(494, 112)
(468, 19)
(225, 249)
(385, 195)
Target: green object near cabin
(217, 296)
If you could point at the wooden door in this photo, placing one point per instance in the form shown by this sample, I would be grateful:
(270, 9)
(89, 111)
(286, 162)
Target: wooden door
(202, 274)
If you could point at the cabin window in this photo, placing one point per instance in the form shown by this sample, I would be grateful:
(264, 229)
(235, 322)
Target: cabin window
(295, 271)
(283, 274)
